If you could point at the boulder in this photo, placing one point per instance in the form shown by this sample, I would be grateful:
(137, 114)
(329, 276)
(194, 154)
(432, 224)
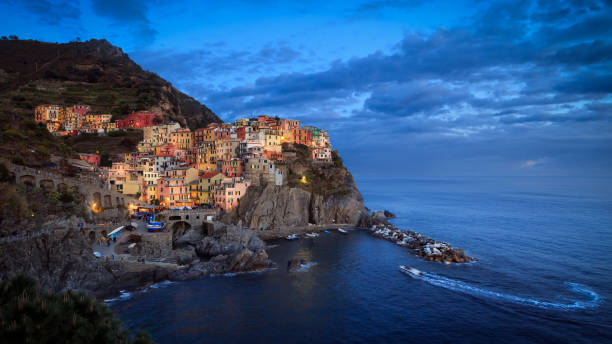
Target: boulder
(389, 214)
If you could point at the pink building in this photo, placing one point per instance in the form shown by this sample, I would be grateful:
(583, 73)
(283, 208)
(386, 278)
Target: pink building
(228, 196)
(173, 192)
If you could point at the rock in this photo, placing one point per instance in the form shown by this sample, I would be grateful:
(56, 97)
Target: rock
(185, 256)
(273, 207)
(191, 237)
(389, 214)
(294, 264)
(422, 246)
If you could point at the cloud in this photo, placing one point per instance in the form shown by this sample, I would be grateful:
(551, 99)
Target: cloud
(132, 13)
(52, 13)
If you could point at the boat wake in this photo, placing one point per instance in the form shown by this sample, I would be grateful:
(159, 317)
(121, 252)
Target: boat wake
(462, 287)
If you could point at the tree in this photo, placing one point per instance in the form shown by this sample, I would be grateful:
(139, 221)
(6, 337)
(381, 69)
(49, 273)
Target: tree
(30, 315)
(13, 37)
(105, 160)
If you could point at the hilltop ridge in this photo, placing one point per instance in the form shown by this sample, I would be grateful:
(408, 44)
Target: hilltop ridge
(92, 72)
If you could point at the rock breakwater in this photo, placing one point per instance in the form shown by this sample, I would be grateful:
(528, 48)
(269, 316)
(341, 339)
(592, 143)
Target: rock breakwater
(422, 246)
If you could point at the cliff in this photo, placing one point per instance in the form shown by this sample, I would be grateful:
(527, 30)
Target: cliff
(319, 194)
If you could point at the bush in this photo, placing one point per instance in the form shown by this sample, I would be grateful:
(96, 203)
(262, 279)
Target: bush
(43, 149)
(31, 316)
(337, 159)
(15, 133)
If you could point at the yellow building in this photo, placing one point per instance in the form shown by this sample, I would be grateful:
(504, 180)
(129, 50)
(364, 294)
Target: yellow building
(53, 113)
(203, 191)
(272, 142)
(182, 138)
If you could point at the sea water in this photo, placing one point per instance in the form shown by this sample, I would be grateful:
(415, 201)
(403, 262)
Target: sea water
(544, 273)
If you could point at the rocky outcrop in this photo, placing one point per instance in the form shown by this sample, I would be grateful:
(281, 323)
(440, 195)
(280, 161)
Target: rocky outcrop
(229, 249)
(63, 259)
(422, 246)
(273, 207)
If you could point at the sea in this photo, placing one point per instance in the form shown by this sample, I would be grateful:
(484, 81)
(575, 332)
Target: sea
(543, 275)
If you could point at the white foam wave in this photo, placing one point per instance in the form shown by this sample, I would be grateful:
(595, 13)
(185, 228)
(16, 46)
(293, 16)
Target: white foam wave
(124, 295)
(462, 287)
(305, 267)
(163, 284)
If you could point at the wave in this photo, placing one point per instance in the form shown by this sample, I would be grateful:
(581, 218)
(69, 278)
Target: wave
(462, 287)
(124, 295)
(161, 284)
(305, 267)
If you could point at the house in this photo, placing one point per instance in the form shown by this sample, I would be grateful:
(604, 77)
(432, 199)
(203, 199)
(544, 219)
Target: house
(44, 113)
(228, 195)
(182, 138)
(202, 192)
(262, 171)
(204, 135)
(230, 168)
(173, 192)
(322, 155)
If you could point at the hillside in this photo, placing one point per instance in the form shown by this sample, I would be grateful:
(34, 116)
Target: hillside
(92, 72)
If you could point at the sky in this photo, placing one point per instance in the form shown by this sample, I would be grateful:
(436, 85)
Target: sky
(405, 88)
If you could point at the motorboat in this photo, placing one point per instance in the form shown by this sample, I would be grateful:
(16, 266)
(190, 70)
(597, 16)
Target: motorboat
(327, 231)
(408, 270)
(312, 235)
(292, 237)
(155, 226)
(343, 231)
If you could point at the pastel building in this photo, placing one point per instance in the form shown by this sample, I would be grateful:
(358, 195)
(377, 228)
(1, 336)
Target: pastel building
(228, 195)
(173, 192)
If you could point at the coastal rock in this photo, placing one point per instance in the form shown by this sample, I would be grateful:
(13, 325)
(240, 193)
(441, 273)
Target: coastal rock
(420, 245)
(389, 214)
(185, 255)
(271, 207)
(191, 237)
(63, 259)
(294, 264)
(228, 249)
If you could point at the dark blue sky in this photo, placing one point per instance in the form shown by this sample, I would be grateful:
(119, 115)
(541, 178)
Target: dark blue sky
(417, 88)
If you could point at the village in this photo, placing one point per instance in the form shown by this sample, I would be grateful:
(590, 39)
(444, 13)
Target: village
(177, 168)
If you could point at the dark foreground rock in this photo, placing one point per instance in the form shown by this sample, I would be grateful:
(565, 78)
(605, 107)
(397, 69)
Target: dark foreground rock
(63, 260)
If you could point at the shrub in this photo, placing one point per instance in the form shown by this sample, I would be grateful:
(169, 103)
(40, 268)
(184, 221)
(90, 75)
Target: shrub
(15, 133)
(32, 316)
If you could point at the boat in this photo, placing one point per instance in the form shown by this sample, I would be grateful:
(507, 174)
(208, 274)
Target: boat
(312, 235)
(155, 226)
(292, 237)
(343, 231)
(408, 270)
(327, 231)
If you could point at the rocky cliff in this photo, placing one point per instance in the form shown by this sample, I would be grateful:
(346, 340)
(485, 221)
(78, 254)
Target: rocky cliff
(64, 260)
(313, 194)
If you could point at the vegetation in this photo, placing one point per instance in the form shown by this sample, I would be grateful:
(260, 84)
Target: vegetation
(94, 73)
(320, 179)
(29, 315)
